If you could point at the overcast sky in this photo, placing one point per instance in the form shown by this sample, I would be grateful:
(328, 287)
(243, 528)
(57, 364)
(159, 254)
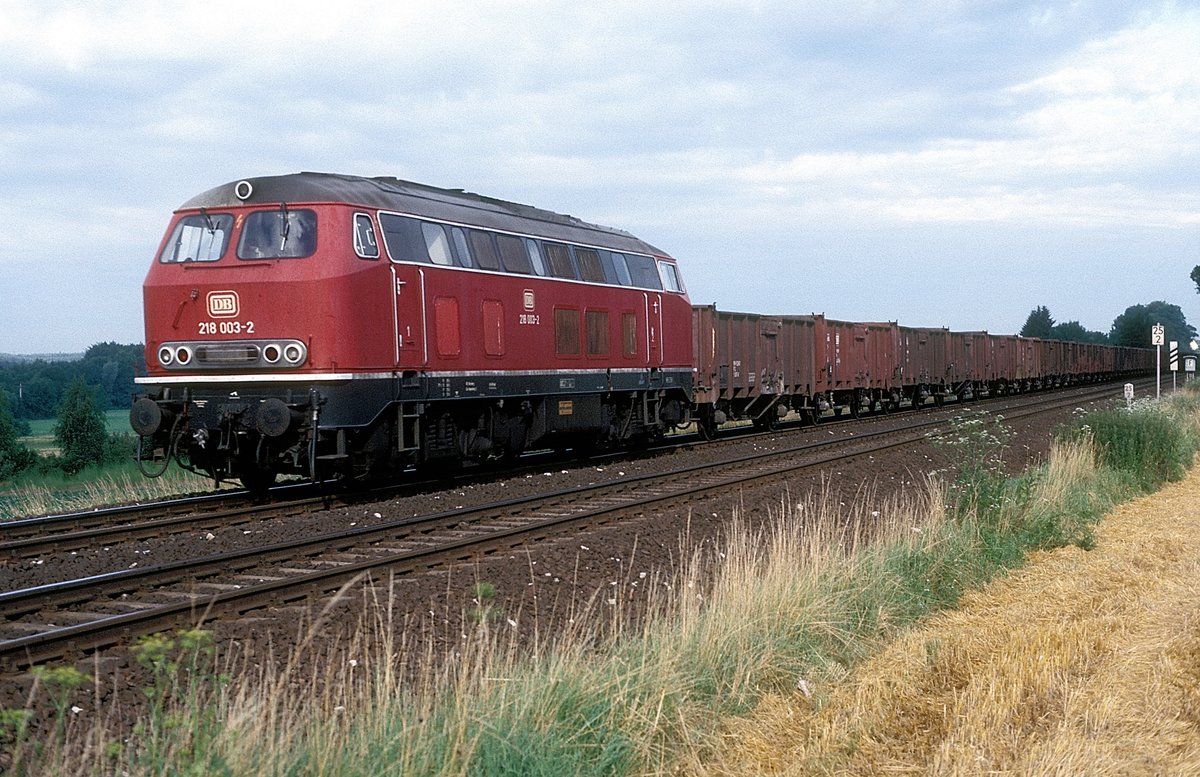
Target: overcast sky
(937, 163)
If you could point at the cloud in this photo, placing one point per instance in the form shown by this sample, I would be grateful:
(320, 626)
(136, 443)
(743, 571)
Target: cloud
(723, 131)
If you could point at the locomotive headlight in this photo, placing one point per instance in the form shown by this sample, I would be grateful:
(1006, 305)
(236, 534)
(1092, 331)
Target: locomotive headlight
(165, 356)
(293, 353)
(271, 353)
(183, 354)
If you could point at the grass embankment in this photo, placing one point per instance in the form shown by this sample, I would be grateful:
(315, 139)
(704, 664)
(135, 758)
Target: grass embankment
(787, 614)
(40, 493)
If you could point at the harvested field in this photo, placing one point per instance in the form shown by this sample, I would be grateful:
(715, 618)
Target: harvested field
(1082, 662)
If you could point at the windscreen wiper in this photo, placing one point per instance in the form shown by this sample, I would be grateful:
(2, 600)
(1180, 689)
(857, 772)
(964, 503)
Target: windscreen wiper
(284, 226)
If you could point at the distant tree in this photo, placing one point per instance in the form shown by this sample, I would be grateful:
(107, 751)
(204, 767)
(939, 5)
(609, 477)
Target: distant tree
(14, 457)
(1133, 326)
(40, 384)
(1074, 332)
(1039, 323)
(1196, 277)
(80, 429)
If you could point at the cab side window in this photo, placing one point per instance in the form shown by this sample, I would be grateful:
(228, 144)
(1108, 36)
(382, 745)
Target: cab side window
(365, 244)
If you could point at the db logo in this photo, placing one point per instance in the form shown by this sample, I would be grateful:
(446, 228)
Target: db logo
(223, 304)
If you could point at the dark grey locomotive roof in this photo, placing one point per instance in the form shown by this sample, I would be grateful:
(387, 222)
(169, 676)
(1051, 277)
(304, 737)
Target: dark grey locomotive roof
(418, 199)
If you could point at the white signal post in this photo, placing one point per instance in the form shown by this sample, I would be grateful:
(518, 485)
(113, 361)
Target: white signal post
(1174, 360)
(1158, 338)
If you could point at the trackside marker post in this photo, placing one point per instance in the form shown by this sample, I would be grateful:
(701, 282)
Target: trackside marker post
(1174, 360)
(1129, 397)
(1158, 338)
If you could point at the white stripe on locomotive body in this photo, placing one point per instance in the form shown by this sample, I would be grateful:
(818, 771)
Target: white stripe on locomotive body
(342, 377)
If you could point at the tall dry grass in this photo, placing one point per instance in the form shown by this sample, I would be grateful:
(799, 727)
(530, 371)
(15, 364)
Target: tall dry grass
(1082, 664)
(117, 485)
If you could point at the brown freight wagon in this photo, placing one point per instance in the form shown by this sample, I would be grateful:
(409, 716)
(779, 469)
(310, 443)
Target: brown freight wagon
(924, 353)
(968, 366)
(1007, 365)
(858, 366)
(750, 366)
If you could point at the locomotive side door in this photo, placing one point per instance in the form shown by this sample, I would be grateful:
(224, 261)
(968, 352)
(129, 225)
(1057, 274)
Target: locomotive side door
(654, 344)
(408, 316)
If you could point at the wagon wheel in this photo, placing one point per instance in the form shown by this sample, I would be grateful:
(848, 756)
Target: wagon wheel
(705, 425)
(815, 412)
(767, 421)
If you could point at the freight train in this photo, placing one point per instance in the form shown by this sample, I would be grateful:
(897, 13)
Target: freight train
(338, 326)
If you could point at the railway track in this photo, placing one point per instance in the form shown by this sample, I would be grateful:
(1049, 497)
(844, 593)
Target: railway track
(65, 619)
(32, 537)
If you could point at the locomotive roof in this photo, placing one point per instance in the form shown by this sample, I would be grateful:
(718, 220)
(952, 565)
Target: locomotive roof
(386, 193)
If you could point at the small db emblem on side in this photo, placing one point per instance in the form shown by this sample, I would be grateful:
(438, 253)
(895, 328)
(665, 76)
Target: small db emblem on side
(223, 304)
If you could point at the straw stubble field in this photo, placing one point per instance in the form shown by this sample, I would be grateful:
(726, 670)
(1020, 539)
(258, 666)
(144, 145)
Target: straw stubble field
(1082, 662)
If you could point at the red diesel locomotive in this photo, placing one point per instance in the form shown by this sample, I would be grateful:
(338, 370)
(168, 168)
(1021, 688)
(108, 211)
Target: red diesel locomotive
(328, 325)
(333, 325)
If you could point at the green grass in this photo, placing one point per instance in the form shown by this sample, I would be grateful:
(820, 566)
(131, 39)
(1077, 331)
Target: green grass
(41, 431)
(33, 493)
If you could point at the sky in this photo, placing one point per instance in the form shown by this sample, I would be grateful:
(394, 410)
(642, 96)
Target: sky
(943, 163)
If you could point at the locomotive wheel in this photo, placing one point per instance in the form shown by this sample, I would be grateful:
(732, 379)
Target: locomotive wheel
(257, 481)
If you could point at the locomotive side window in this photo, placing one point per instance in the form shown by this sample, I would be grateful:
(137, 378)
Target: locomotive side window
(566, 331)
(622, 270)
(278, 234)
(364, 237)
(670, 276)
(484, 250)
(460, 245)
(596, 323)
(642, 272)
(589, 265)
(202, 238)
(561, 265)
(403, 238)
(535, 256)
(513, 254)
(629, 334)
(436, 243)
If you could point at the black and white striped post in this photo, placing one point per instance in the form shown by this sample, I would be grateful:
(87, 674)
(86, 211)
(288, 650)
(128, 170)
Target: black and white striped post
(1158, 338)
